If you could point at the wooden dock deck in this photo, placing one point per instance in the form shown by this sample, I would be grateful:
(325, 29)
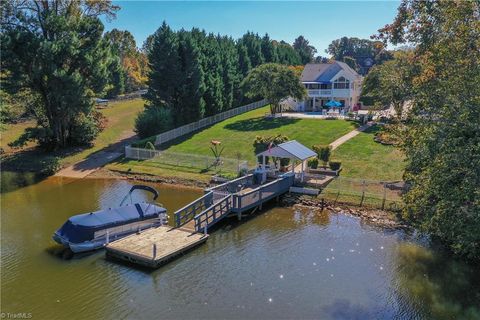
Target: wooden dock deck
(154, 247)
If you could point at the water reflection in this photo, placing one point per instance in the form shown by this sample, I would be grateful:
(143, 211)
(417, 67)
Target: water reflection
(11, 181)
(281, 263)
(437, 284)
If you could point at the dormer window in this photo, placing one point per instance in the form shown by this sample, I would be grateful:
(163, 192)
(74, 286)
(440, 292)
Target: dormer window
(341, 83)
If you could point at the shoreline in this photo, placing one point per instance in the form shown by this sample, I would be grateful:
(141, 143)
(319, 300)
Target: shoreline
(376, 217)
(103, 173)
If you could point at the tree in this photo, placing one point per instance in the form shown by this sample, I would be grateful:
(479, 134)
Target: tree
(441, 135)
(366, 53)
(389, 84)
(287, 54)
(273, 82)
(56, 50)
(323, 153)
(164, 78)
(269, 51)
(304, 49)
(133, 62)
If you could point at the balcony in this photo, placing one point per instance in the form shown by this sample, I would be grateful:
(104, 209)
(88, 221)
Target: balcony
(327, 93)
(319, 92)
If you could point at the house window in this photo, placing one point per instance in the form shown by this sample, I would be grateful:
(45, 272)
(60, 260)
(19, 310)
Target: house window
(341, 83)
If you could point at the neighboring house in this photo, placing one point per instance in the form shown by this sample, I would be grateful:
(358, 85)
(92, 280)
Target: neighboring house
(330, 81)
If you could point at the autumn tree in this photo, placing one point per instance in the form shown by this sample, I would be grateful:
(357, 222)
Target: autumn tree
(441, 135)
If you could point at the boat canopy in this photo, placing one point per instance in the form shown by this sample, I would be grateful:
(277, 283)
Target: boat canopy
(82, 227)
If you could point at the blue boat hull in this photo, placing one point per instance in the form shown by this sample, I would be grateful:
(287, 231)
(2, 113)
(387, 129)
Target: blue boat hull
(100, 242)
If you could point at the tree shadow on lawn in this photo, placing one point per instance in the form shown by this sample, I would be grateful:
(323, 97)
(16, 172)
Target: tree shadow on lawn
(373, 129)
(260, 123)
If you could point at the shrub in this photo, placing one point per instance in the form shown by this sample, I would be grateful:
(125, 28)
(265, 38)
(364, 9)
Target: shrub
(152, 121)
(323, 153)
(50, 165)
(313, 163)
(335, 165)
(86, 128)
(261, 143)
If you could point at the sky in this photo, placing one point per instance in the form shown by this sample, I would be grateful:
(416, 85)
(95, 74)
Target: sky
(319, 22)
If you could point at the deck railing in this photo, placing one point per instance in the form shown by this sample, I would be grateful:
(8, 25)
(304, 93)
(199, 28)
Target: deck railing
(213, 214)
(235, 185)
(263, 193)
(187, 213)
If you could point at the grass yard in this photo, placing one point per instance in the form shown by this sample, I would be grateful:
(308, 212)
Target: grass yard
(121, 117)
(364, 158)
(238, 133)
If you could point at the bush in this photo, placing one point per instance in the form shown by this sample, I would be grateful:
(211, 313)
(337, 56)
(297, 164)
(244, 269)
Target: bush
(313, 163)
(323, 153)
(335, 165)
(261, 144)
(152, 121)
(50, 165)
(86, 128)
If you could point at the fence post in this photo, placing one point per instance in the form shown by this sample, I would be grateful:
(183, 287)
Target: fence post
(384, 196)
(363, 193)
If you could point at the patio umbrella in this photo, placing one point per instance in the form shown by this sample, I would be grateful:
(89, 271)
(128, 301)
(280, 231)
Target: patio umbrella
(333, 104)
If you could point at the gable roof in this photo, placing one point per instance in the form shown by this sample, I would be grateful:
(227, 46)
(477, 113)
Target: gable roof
(290, 149)
(324, 72)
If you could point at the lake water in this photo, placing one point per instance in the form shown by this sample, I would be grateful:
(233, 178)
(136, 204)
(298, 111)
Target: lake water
(280, 264)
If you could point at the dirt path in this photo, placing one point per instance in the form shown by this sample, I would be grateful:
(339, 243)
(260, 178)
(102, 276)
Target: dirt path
(98, 159)
(87, 166)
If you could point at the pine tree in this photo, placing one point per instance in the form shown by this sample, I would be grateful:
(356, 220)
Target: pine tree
(164, 77)
(191, 105)
(269, 51)
(244, 63)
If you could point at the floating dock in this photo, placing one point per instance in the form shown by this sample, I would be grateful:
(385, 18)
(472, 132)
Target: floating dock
(156, 246)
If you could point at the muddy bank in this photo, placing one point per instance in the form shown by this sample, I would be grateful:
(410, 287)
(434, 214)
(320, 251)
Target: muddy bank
(103, 173)
(375, 217)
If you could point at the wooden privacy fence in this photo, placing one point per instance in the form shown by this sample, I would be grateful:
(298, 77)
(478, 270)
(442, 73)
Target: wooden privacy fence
(205, 122)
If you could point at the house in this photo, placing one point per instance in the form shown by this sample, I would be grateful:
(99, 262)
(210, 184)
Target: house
(330, 81)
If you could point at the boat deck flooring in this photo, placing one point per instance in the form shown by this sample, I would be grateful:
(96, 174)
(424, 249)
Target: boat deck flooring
(139, 248)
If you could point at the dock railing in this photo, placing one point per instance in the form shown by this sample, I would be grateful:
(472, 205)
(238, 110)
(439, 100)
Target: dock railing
(233, 186)
(188, 212)
(213, 214)
(263, 193)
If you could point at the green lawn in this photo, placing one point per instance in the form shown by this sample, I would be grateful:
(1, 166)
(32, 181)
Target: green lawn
(363, 158)
(238, 133)
(366, 166)
(120, 115)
